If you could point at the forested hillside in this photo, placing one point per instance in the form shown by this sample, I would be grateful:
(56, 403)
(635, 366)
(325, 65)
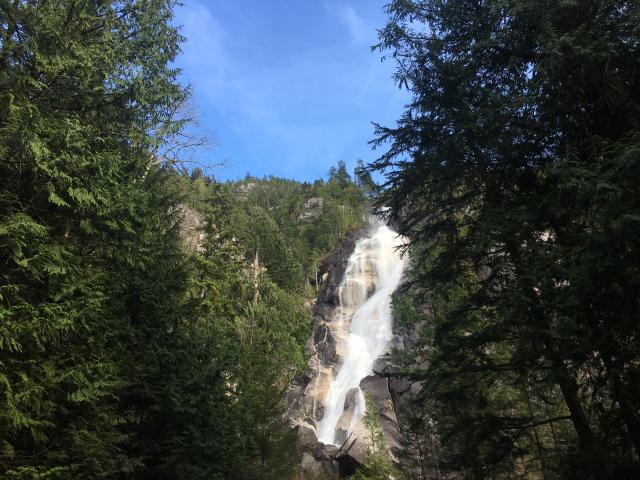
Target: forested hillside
(291, 225)
(150, 320)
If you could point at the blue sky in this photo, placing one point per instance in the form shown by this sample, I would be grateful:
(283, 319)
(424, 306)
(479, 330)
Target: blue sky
(286, 87)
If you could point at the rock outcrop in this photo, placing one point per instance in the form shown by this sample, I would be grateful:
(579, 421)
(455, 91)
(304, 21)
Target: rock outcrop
(191, 229)
(312, 208)
(244, 189)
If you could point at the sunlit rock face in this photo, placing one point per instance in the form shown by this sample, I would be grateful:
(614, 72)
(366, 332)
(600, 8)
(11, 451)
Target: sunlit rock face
(353, 332)
(191, 229)
(312, 208)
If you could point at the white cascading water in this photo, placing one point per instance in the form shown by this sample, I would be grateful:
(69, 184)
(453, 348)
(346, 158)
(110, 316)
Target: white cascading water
(373, 273)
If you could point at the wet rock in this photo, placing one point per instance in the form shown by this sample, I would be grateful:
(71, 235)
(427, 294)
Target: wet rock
(353, 409)
(326, 452)
(332, 270)
(352, 399)
(307, 437)
(308, 391)
(324, 312)
(383, 366)
(325, 345)
(350, 426)
(310, 402)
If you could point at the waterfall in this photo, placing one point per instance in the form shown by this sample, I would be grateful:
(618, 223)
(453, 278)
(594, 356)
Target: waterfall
(373, 273)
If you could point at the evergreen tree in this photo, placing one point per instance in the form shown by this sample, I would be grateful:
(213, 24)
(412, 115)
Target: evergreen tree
(84, 228)
(340, 174)
(364, 178)
(511, 171)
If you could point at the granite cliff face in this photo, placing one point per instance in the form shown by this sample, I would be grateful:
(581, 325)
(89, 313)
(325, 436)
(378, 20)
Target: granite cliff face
(308, 392)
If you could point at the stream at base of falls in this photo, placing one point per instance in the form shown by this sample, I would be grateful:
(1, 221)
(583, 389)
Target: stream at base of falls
(373, 273)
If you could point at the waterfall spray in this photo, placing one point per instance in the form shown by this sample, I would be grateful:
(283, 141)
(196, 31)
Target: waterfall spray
(373, 273)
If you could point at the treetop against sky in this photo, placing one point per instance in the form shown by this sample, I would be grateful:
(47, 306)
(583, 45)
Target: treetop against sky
(286, 88)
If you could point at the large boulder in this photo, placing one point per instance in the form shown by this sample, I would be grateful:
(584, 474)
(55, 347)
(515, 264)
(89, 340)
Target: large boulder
(397, 385)
(307, 436)
(378, 389)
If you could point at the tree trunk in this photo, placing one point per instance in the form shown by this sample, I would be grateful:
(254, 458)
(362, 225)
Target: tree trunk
(569, 388)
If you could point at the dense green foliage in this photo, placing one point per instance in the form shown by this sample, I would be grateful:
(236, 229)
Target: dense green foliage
(135, 341)
(515, 172)
(290, 225)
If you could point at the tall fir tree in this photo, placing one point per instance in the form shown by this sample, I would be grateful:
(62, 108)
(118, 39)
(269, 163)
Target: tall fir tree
(513, 171)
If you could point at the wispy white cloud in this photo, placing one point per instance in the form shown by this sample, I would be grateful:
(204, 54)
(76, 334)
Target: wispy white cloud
(354, 23)
(204, 52)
